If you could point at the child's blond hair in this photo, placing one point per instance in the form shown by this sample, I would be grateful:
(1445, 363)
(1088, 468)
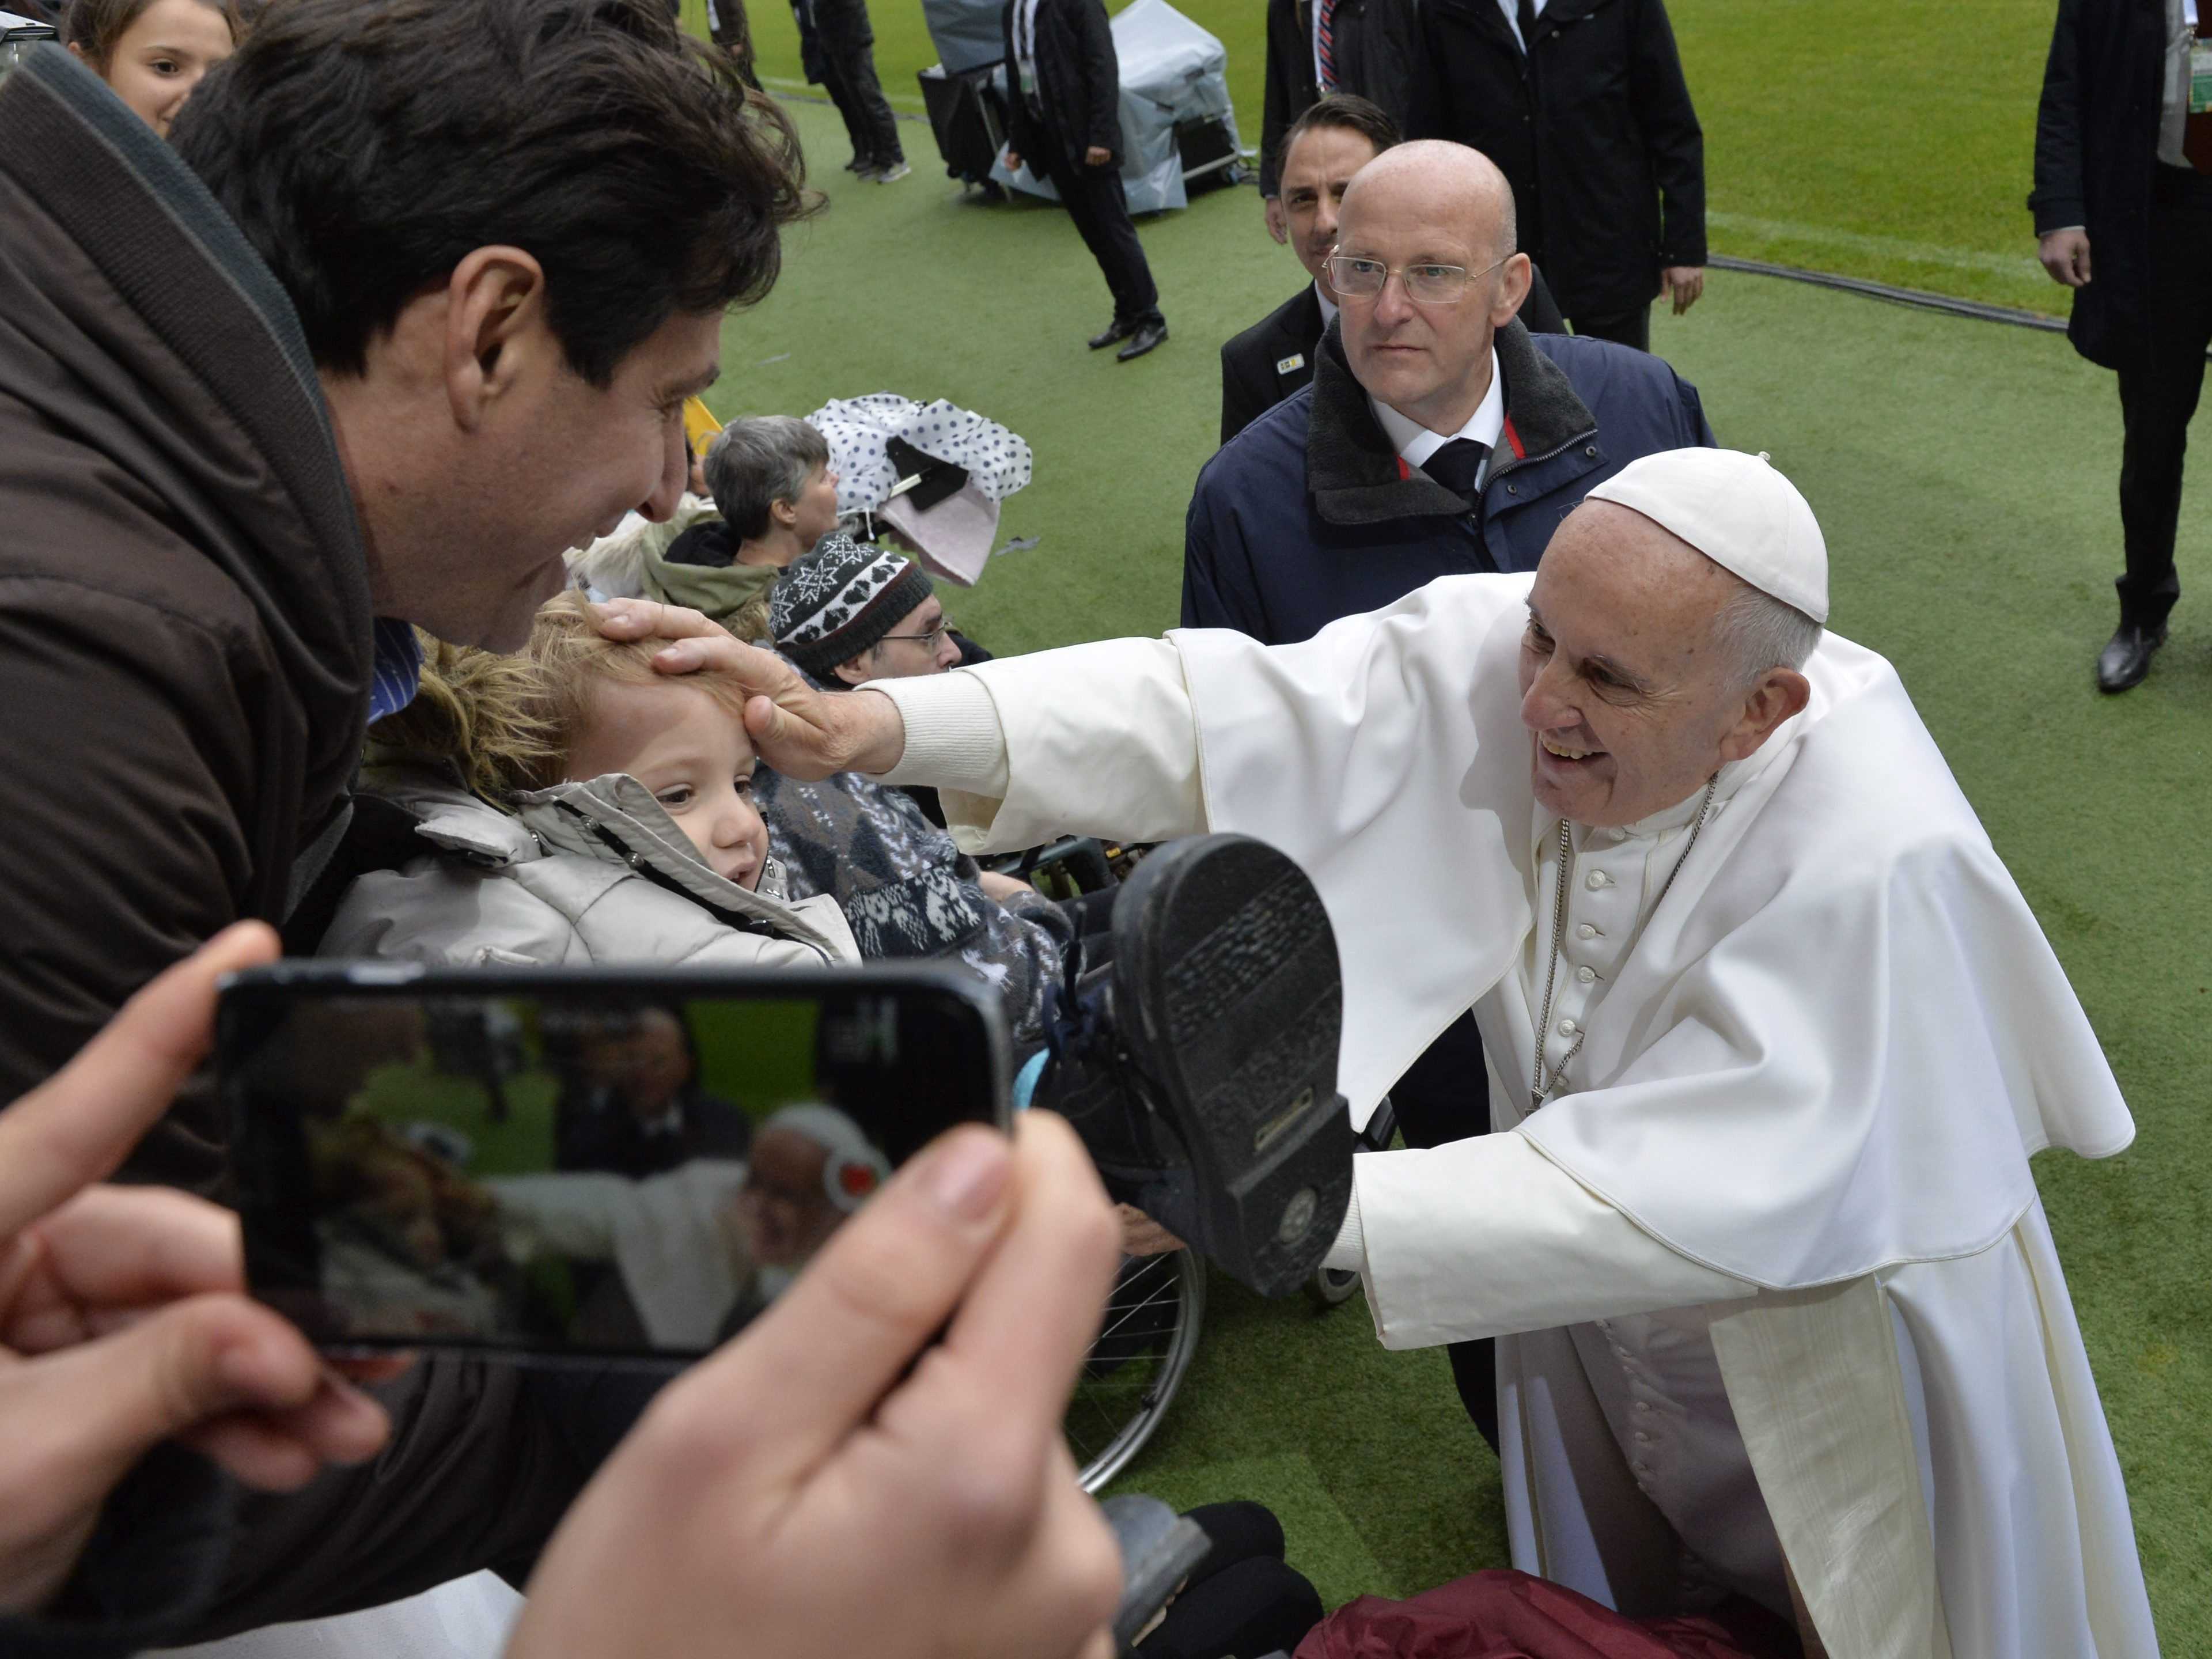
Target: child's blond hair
(509, 724)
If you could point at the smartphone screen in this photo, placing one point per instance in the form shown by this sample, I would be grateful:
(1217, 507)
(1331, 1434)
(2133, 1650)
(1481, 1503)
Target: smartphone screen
(581, 1164)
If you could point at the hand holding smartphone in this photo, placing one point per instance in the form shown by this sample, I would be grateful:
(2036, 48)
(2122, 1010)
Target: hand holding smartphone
(575, 1165)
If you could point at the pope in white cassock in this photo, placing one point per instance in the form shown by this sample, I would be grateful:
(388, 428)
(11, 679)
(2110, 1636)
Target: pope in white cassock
(1772, 1033)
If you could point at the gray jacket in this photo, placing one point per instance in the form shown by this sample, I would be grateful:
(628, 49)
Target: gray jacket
(587, 872)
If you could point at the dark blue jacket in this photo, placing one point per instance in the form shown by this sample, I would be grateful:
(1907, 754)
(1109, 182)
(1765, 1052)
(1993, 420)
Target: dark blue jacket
(1307, 513)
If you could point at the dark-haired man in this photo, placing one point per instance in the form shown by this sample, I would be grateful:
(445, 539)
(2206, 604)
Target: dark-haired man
(269, 398)
(1360, 48)
(1323, 147)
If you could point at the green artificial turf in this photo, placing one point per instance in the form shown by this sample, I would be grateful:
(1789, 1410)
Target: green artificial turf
(1964, 475)
(1888, 139)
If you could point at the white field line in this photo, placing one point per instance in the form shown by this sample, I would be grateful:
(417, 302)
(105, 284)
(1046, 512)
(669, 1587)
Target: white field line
(2022, 265)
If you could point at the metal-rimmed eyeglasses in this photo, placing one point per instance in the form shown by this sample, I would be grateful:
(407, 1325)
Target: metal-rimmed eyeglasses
(1426, 283)
(930, 639)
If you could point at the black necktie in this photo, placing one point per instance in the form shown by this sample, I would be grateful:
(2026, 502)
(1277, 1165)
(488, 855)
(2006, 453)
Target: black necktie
(1524, 15)
(1459, 463)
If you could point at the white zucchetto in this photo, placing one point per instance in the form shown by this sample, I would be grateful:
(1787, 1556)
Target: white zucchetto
(1739, 512)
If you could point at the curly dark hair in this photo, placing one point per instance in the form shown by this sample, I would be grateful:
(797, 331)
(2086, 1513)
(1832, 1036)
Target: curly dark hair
(366, 147)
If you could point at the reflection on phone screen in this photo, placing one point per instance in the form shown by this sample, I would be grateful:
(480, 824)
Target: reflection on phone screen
(557, 1175)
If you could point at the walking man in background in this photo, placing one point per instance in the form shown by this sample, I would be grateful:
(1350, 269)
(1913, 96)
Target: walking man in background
(837, 50)
(1582, 104)
(2124, 171)
(1066, 118)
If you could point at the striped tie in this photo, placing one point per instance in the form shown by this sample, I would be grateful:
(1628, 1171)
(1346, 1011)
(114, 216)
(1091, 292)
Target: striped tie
(1324, 44)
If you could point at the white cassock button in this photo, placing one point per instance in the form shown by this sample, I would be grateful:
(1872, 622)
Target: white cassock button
(1598, 879)
(1586, 931)
(1641, 1468)
(1616, 833)
(1568, 1028)
(1641, 1438)
(1619, 1353)
(1585, 974)
(1641, 1405)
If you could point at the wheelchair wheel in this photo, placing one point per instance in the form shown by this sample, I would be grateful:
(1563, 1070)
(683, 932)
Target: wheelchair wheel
(1134, 1368)
(1331, 1287)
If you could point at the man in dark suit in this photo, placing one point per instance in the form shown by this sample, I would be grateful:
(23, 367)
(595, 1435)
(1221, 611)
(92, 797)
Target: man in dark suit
(1583, 106)
(1317, 47)
(2124, 166)
(1274, 358)
(1065, 115)
(637, 1107)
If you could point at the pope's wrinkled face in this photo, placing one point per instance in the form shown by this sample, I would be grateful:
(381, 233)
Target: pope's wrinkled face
(1630, 704)
(785, 1211)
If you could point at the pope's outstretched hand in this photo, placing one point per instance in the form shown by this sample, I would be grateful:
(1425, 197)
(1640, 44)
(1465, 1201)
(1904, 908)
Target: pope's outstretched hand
(799, 730)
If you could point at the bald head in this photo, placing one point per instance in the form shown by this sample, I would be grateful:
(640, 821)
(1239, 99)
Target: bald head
(1437, 180)
(1418, 210)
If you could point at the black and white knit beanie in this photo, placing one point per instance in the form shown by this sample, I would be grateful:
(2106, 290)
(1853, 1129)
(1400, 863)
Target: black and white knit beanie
(840, 600)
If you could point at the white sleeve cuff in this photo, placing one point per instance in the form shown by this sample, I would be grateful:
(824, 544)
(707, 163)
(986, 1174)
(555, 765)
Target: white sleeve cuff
(1349, 1253)
(953, 738)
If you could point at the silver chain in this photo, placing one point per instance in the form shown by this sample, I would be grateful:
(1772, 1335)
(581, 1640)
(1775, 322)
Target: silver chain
(1548, 1080)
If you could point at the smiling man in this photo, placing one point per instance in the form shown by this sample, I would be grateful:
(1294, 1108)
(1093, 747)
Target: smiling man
(272, 394)
(1772, 1037)
(1439, 436)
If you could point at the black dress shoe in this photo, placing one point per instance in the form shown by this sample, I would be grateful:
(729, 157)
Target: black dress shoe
(2126, 660)
(1117, 329)
(1147, 336)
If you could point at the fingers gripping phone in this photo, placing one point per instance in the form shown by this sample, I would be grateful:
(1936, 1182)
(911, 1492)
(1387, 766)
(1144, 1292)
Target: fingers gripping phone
(578, 1165)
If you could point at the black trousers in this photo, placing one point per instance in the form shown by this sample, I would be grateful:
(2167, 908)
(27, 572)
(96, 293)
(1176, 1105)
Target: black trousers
(1100, 207)
(1443, 1096)
(848, 75)
(1242, 1598)
(2158, 394)
(1631, 327)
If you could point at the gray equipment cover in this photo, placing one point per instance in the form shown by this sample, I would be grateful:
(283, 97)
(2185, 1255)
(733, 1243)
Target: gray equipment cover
(1171, 70)
(967, 33)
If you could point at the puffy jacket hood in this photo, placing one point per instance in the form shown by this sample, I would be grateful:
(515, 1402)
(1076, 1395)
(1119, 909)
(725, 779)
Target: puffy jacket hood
(615, 822)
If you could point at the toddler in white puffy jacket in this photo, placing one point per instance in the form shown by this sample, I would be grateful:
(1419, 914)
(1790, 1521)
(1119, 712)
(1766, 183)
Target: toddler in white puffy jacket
(576, 805)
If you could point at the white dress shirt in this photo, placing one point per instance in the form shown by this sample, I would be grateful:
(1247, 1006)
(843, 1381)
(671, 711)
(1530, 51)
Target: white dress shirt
(2173, 105)
(1513, 18)
(1328, 306)
(1415, 443)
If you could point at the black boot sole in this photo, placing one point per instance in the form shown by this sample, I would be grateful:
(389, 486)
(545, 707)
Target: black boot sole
(1229, 997)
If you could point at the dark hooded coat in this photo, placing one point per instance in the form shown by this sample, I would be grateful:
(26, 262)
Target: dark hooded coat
(185, 629)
